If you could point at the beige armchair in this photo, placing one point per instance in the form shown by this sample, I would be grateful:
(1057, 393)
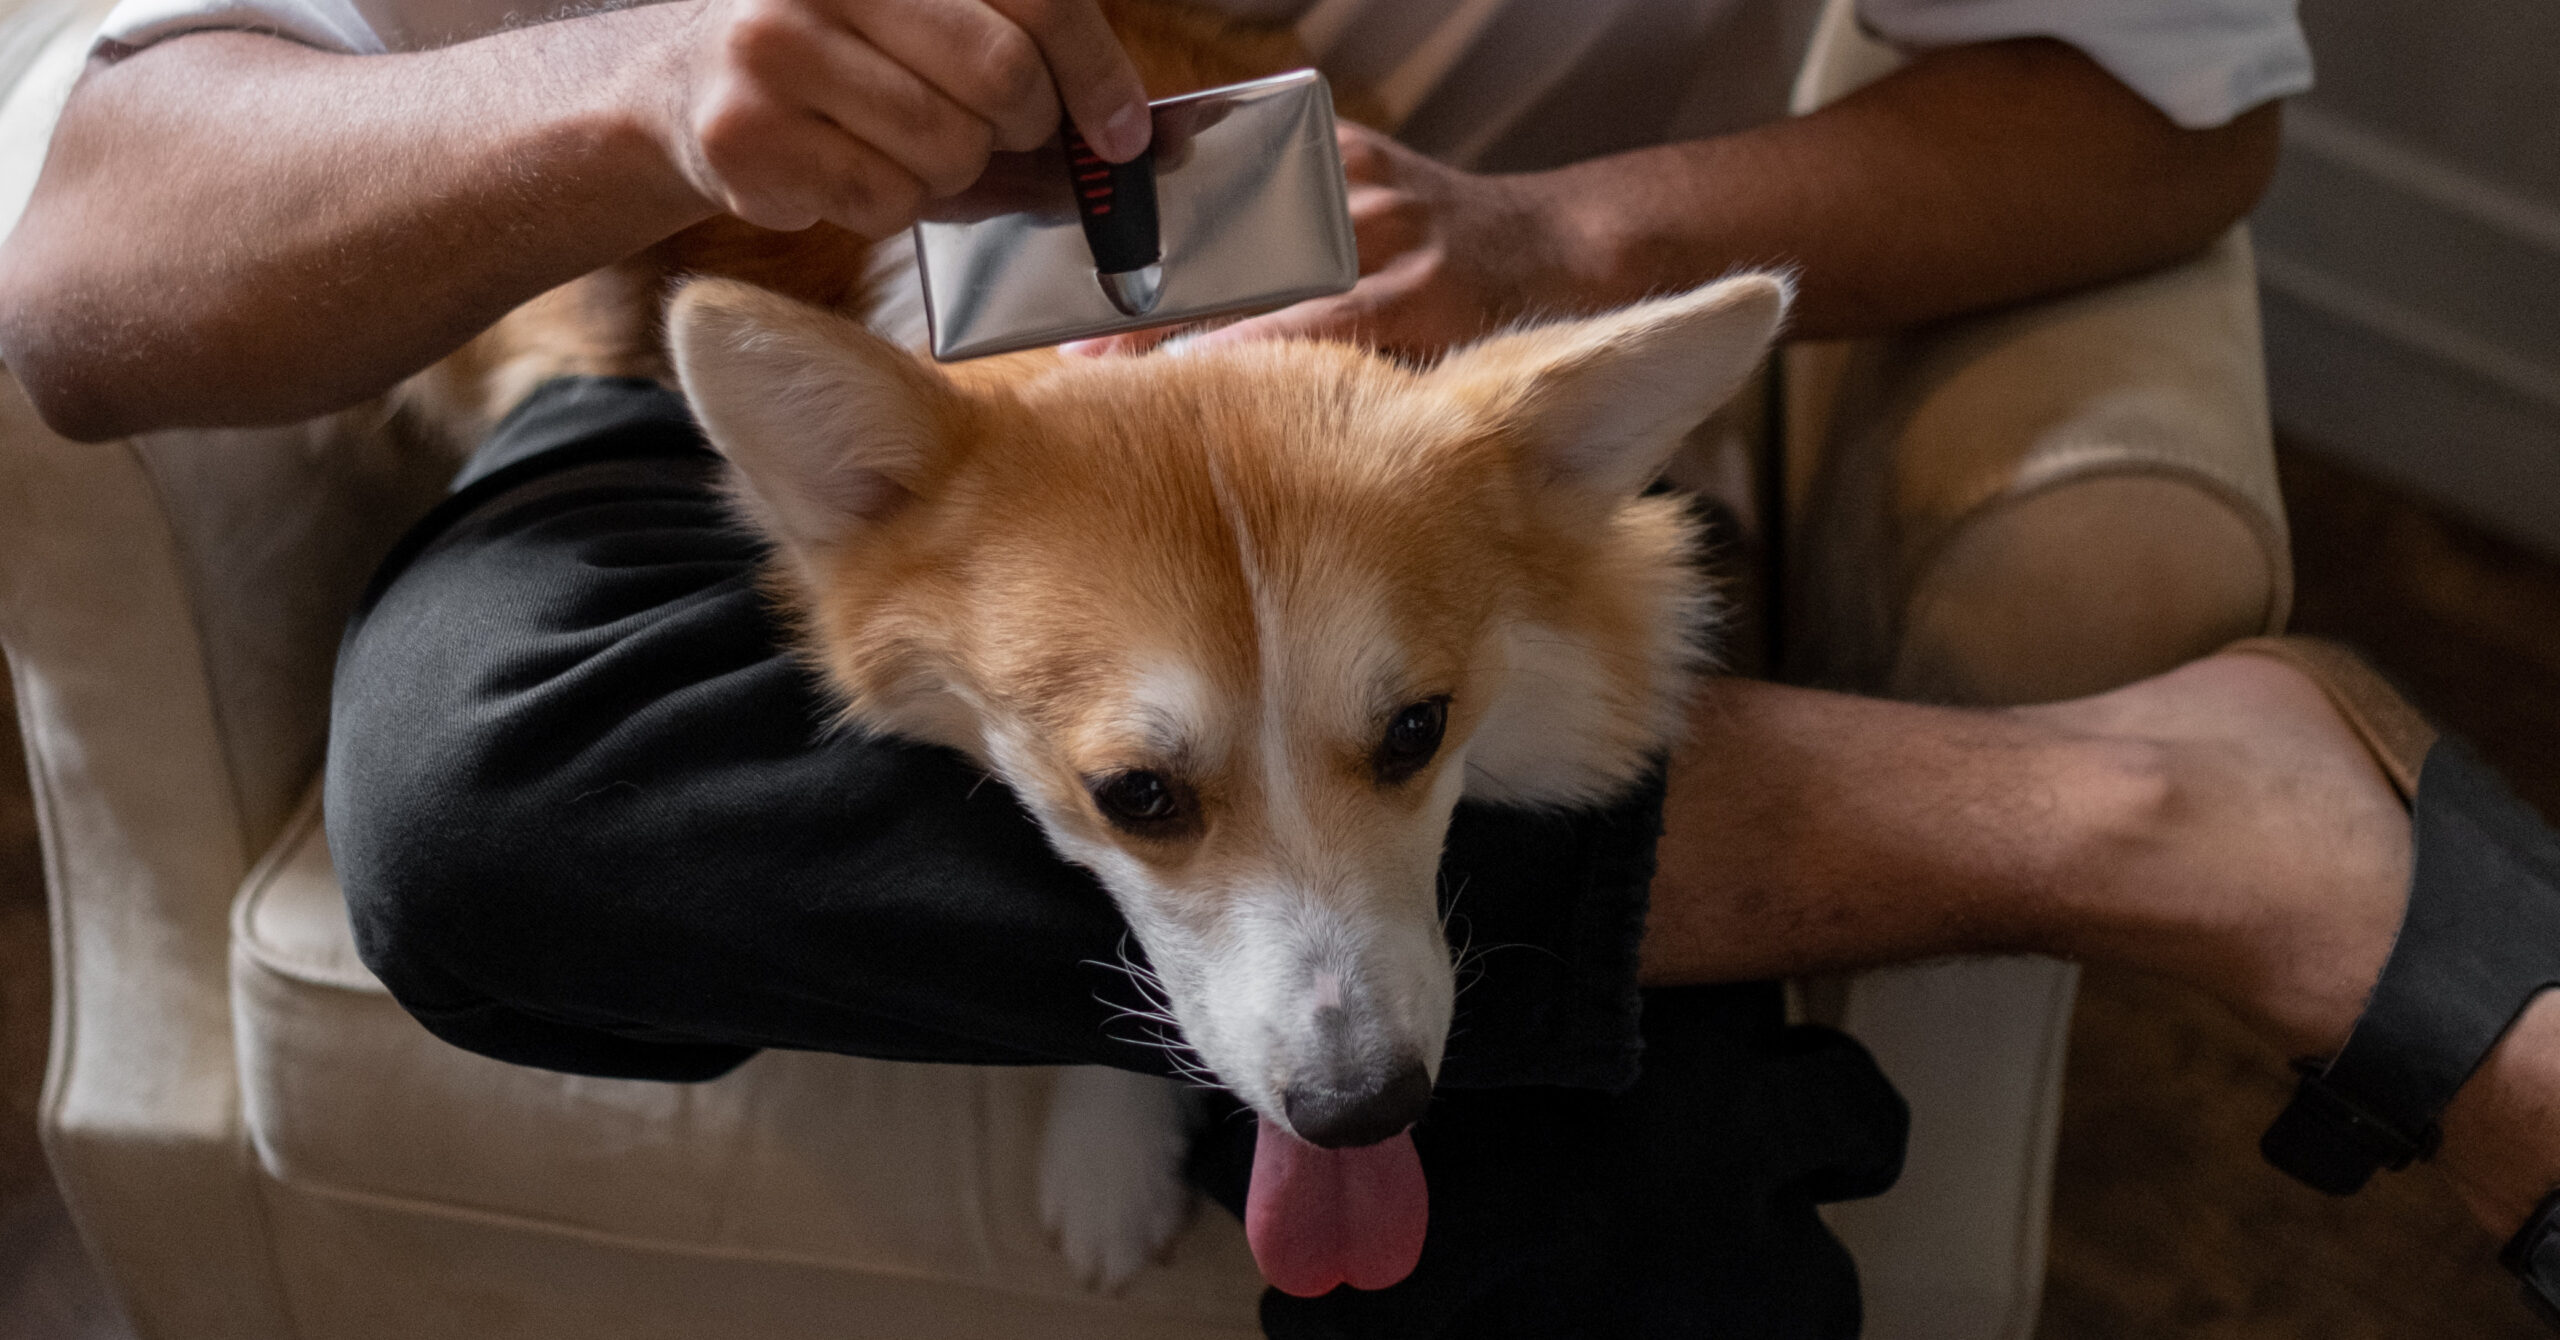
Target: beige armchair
(257, 1144)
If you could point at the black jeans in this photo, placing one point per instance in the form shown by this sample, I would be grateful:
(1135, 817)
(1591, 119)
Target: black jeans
(591, 817)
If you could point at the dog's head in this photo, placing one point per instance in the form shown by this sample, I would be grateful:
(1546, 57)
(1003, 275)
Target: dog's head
(1239, 627)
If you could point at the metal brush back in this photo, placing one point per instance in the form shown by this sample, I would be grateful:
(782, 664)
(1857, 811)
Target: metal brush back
(1251, 204)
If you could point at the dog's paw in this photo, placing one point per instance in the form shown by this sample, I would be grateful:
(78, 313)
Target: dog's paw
(1111, 1189)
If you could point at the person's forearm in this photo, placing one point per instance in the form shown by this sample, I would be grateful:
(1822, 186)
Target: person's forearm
(1974, 177)
(232, 228)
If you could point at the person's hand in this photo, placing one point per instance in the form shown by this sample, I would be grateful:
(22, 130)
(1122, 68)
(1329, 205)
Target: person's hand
(1445, 256)
(857, 112)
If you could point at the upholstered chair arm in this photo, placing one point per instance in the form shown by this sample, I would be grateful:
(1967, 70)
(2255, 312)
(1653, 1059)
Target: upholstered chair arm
(142, 850)
(2039, 502)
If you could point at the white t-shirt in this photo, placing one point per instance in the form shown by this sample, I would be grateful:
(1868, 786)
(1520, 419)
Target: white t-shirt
(1517, 85)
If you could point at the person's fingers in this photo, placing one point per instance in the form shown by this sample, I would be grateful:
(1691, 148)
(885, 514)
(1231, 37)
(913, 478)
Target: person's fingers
(1095, 80)
(1386, 224)
(1347, 316)
(877, 200)
(1408, 309)
(1127, 342)
(1338, 317)
(784, 168)
(1367, 156)
(887, 106)
(974, 55)
(866, 192)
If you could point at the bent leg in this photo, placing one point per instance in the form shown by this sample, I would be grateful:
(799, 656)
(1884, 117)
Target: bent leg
(2219, 825)
(571, 782)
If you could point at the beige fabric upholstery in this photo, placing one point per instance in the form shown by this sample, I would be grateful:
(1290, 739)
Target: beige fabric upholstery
(142, 851)
(258, 1144)
(2042, 502)
(865, 1190)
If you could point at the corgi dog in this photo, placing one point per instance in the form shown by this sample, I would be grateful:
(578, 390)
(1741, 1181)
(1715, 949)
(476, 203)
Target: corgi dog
(1238, 626)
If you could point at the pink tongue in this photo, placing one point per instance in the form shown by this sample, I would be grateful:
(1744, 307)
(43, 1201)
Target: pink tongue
(1321, 1217)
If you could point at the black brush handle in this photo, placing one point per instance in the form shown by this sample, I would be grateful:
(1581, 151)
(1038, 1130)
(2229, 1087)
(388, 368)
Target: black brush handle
(1117, 202)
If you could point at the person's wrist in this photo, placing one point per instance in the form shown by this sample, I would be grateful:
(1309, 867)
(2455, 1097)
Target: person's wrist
(1586, 258)
(646, 119)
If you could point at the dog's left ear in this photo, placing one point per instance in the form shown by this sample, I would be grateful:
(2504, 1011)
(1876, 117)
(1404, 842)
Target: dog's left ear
(1602, 403)
(831, 428)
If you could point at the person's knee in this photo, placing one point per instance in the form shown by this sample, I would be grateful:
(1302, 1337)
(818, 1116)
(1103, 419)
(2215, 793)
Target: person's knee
(2084, 586)
(460, 904)
(421, 859)
(440, 850)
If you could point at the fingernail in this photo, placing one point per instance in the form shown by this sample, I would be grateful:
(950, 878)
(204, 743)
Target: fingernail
(1127, 132)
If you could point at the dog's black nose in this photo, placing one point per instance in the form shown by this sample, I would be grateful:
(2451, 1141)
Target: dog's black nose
(1363, 1114)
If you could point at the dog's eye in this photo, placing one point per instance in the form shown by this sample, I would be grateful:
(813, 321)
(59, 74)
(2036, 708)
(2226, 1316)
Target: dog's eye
(1146, 803)
(1411, 739)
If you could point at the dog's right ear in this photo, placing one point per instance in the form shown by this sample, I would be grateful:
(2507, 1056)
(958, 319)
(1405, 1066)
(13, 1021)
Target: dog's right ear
(1600, 404)
(830, 427)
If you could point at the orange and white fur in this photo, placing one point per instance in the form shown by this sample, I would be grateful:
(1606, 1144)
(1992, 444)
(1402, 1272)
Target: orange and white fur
(1236, 573)
(1239, 627)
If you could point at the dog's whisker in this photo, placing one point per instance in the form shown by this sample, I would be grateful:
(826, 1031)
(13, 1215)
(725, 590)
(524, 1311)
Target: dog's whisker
(1144, 976)
(1468, 966)
(1156, 1004)
(1177, 1055)
(1148, 1004)
(1146, 1026)
(1452, 909)
(1541, 949)
(1183, 1064)
(1151, 987)
(1120, 1012)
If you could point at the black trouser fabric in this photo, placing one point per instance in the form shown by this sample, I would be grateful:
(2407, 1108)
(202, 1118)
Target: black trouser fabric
(590, 816)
